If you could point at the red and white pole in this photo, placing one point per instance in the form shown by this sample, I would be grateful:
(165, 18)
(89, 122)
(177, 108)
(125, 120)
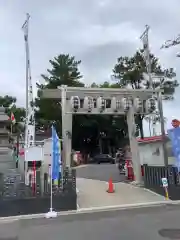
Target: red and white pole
(34, 177)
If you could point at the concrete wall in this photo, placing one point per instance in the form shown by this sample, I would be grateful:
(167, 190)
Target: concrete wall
(47, 159)
(6, 161)
(152, 154)
(13, 207)
(47, 151)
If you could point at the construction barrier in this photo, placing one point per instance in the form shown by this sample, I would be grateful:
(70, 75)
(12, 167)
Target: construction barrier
(110, 186)
(129, 170)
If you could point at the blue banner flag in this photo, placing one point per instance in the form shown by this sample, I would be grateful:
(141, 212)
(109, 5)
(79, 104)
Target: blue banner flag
(56, 156)
(174, 135)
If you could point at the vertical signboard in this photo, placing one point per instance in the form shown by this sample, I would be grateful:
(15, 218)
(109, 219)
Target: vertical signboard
(174, 135)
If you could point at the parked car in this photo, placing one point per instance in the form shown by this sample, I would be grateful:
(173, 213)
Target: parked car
(103, 158)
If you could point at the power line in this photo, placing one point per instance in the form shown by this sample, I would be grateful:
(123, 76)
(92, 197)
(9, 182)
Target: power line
(172, 43)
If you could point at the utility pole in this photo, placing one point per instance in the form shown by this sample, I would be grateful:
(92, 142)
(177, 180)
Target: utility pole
(146, 51)
(145, 40)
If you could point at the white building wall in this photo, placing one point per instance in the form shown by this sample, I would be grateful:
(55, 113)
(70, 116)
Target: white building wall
(47, 151)
(152, 154)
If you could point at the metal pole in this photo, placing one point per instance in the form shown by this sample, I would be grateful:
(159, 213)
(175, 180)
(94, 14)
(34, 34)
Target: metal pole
(11, 129)
(34, 173)
(149, 126)
(25, 27)
(149, 60)
(160, 107)
(51, 198)
(145, 39)
(63, 115)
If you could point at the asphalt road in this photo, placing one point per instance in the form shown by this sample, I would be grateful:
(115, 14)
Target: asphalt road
(155, 223)
(100, 172)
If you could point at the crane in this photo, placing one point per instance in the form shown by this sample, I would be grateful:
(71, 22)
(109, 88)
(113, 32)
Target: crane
(30, 120)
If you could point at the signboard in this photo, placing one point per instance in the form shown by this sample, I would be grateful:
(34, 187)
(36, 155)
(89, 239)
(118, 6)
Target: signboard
(47, 158)
(47, 152)
(174, 135)
(164, 182)
(34, 153)
(30, 135)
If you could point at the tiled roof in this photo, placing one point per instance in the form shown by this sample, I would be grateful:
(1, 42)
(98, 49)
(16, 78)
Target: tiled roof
(3, 118)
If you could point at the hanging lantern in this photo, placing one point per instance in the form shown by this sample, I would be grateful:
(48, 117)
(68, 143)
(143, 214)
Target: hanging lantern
(150, 105)
(115, 104)
(75, 103)
(101, 104)
(88, 103)
(126, 103)
(138, 105)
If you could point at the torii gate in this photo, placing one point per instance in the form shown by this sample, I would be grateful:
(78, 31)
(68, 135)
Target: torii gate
(123, 101)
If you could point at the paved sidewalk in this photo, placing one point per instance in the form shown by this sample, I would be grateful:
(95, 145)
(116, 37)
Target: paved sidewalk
(92, 193)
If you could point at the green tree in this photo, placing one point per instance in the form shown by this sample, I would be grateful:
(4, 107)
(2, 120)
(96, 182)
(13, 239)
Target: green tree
(94, 85)
(64, 71)
(88, 131)
(131, 71)
(9, 103)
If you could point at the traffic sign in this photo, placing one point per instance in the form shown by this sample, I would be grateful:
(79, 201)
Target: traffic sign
(164, 182)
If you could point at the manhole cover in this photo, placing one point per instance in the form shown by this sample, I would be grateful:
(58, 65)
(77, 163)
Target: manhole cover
(169, 233)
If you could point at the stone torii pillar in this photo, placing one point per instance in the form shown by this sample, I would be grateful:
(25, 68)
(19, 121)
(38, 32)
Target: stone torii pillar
(65, 93)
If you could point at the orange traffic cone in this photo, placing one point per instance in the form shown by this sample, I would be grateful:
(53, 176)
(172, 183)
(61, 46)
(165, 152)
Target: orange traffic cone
(110, 186)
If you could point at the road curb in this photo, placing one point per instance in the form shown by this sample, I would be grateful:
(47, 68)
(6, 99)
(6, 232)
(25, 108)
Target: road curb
(91, 210)
(150, 191)
(146, 189)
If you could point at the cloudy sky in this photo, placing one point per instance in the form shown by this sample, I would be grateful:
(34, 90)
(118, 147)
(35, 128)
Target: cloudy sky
(95, 31)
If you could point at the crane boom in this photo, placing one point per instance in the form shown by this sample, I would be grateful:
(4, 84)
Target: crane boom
(30, 120)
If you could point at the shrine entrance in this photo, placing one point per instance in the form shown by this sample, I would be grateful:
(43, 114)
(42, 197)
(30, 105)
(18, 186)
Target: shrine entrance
(82, 100)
